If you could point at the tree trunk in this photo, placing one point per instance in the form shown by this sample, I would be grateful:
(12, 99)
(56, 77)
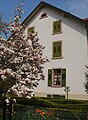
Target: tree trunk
(10, 110)
(67, 95)
(4, 110)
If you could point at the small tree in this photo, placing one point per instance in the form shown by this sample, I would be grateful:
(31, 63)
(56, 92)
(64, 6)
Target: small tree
(67, 90)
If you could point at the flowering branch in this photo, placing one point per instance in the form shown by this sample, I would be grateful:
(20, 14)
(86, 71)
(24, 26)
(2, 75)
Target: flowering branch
(21, 59)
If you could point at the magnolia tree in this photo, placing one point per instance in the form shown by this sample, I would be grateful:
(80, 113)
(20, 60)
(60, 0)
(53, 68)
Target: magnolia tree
(21, 59)
(3, 26)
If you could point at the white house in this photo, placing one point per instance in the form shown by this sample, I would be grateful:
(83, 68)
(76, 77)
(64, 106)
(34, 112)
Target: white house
(65, 38)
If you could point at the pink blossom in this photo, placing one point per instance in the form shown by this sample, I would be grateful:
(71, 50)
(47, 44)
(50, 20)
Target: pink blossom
(22, 59)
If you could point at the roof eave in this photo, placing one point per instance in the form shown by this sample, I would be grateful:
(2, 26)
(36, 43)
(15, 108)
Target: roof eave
(42, 4)
(33, 13)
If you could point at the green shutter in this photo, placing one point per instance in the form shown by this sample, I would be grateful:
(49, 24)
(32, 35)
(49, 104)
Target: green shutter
(63, 77)
(57, 26)
(57, 49)
(31, 30)
(50, 77)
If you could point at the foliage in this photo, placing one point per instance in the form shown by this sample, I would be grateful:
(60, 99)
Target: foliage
(3, 26)
(21, 60)
(26, 112)
(34, 113)
(86, 81)
(54, 103)
(26, 109)
(67, 90)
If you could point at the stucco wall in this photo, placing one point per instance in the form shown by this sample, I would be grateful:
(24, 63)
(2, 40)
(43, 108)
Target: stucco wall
(74, 50)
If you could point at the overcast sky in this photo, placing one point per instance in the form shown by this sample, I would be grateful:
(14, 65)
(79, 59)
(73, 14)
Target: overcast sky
(76, 7)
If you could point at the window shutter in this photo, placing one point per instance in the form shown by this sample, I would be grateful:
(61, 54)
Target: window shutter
(63, 77)
(57, 49)
(50, 77)
(57, 26)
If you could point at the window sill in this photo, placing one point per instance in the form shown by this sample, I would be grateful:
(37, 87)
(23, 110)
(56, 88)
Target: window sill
(53, 58)
(56, 86)
(57, 33)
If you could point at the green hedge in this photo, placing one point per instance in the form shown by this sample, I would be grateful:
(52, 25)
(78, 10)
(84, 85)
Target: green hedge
(55, 103)
(76, 105)
(64, 101)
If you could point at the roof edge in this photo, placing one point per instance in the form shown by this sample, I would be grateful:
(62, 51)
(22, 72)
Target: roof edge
(42, 4)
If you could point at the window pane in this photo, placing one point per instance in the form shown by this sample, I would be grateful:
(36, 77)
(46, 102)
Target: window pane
(54, 49)
(57, 26)
(54, 27)
(57, 77)
(57, 49)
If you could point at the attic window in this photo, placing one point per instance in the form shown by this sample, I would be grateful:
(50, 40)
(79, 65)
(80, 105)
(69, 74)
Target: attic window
(43, 15)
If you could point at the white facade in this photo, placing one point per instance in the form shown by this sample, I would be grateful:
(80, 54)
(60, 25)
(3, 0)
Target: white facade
(74, 51)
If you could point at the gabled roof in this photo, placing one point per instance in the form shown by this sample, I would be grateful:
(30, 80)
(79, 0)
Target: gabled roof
(43, 4)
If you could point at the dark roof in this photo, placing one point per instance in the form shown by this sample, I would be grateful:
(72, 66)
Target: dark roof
(42, 4)
(85, 19)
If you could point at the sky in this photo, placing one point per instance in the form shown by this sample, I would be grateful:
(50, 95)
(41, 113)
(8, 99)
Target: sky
(78, 8)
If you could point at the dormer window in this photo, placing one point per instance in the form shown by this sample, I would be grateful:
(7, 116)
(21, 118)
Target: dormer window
(43, 15)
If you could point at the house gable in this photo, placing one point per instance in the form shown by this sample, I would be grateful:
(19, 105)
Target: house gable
(43, 4)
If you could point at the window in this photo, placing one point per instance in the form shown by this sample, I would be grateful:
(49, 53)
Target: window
(57, 77)
(49, 96)
(31, 30)
(62, 96)
(43, 15)
(57, 27)
(57, 49)
(56, 96)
